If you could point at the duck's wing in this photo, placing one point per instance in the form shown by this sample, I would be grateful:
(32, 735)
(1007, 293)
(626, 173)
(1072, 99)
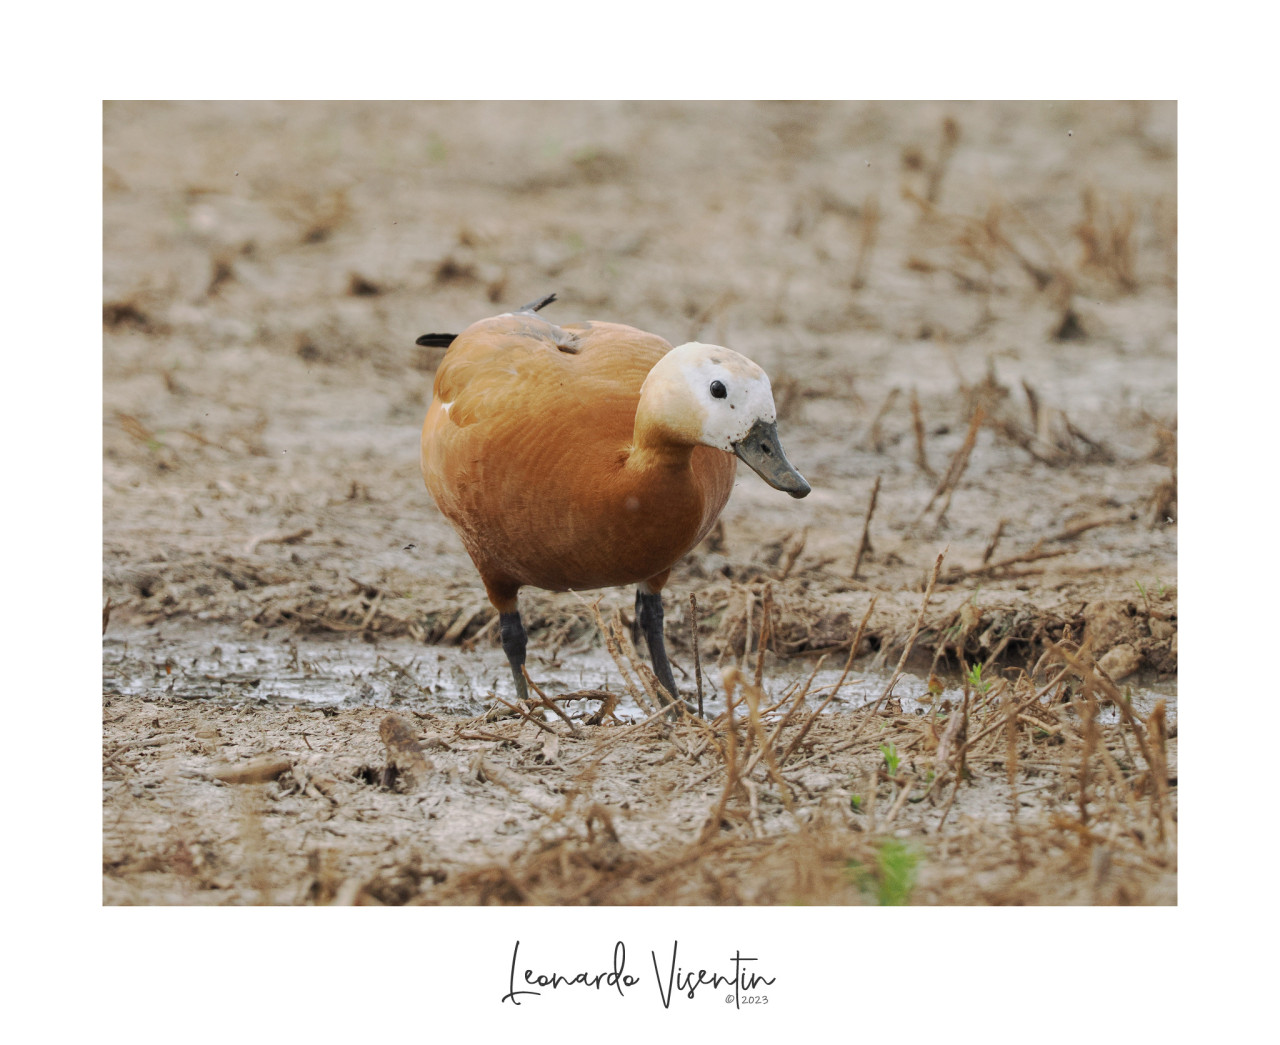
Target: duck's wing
(509, 368)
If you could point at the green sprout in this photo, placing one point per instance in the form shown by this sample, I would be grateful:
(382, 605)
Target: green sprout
(893, 877)
(975, 679)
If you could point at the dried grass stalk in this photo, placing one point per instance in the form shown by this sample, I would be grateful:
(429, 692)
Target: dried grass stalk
(959, 462)
(697, 659)
(864, 544)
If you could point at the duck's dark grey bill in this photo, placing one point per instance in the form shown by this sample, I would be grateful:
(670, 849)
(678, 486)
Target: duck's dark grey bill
(760, 449)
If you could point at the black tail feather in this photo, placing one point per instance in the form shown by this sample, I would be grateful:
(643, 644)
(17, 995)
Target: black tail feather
(540, 303)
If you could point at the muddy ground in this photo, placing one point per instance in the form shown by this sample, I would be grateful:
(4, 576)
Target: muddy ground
(971, 305)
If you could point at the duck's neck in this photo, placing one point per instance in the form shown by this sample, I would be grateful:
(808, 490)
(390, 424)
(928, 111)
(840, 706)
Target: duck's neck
(659, 459)
(657, 482)
(655, 445)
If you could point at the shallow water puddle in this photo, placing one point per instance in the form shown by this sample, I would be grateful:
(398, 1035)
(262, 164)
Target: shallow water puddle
(447, 680)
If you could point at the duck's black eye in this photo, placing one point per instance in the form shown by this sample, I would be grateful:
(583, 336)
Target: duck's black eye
(718, 390)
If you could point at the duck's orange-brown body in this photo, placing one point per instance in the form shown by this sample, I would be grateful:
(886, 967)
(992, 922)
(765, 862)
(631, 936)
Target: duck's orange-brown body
(531, 450)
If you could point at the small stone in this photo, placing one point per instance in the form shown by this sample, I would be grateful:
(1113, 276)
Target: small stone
(1120, 661)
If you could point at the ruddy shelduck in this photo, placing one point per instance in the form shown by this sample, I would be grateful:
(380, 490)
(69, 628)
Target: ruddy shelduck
(590, 455)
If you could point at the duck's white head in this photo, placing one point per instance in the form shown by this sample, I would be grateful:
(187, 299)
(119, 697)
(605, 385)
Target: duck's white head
(717, 397)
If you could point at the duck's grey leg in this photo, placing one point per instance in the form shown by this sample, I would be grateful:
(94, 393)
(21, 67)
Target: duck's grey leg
(514, 641)
(649, 619)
